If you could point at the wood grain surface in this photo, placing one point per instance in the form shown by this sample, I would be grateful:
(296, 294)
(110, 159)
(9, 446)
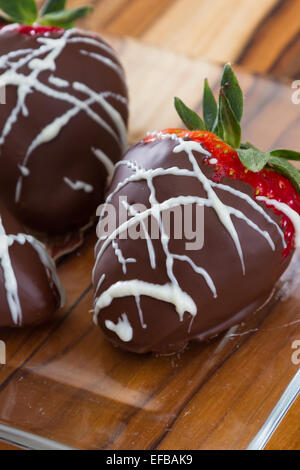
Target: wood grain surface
(4, 446)
(287, 436)
(65, 382)
(262, 35)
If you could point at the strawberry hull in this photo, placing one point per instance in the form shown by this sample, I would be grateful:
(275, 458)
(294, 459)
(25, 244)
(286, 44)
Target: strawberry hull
(267, 183)
(167, 295)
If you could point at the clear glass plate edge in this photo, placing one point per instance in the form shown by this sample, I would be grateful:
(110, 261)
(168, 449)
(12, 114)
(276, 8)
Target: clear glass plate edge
(29, 441)
(277, 414)
(35, 442)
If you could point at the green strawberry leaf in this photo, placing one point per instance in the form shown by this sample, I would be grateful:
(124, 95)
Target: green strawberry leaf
(210, 108)
(21, 11)
(247, 145)
(231, 129)
(281, 165)
(219, 129)
(51, 6)
(232, 91)
(253, 159)
(191, 120)
(288, 154)
(64, 18)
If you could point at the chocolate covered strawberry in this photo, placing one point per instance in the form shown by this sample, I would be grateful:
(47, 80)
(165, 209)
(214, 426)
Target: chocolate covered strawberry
(158, 293)
(64, 124)
(29, 286)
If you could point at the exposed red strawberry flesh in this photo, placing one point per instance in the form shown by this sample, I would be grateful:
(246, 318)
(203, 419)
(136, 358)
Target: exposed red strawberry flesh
(267, 182)
(34, 30)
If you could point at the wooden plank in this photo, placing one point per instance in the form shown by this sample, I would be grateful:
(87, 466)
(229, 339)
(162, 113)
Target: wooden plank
(208, 29)
(4, 446)
(65, 382)
(274, 41)
(263, 36)
(287, 436)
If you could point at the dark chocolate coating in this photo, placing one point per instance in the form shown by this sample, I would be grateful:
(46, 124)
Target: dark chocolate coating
(47, 204)
(38, 292)
(238, 295)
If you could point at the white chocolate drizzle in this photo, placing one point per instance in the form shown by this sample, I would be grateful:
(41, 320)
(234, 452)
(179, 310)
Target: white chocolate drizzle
(172, 292)
(58, 82)
(141, 315)
(105, 60)
(10, 281)
(106, 162)
(121, 258)
(44, 59)
(123, 328)
(221, 210)
(288, 211)
(182, 301)
(79, 185)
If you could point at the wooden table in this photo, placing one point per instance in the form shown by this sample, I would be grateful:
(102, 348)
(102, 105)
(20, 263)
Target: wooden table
(63, 381)
(261, 35)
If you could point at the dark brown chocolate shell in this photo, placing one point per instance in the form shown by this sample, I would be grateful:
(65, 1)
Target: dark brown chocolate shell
(30, 290)
(62, 128)
(156, 295)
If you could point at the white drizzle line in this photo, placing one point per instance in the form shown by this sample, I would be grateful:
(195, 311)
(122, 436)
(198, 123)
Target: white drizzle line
(24, 170)
(45, 259)
(10, 281)
(188, 146)
(52, 48)
(94, 42)
(52, 130)
(48, 63)
(138, 304)
(59, 82)
(100, 282)
(169, 204)
(199, 270)
(143, 174)
(79, 185)
(170, 292)
(123, 328)
(166, 292)
(4, 59)
(288, 211)
(111, 94)
(123, 261)
(253, 204)
(111, 111)
(105, 60)
(151, 251)
(106, 162)
(9, 27)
